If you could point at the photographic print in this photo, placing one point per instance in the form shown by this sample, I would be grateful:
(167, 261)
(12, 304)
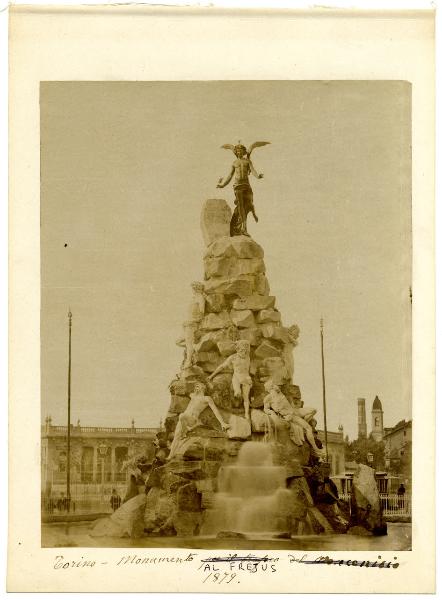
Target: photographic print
(226, 296)
(222, 307)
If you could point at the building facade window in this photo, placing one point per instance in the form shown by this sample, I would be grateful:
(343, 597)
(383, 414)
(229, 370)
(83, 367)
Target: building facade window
(121, 454)
(87, 464)
(62, 461)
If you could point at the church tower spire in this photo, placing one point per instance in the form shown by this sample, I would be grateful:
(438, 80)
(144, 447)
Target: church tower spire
(377, 420)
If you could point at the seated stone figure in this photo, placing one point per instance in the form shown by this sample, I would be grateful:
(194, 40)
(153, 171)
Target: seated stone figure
(189, 419)
(275, 403)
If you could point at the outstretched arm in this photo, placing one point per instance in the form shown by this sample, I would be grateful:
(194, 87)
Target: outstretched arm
(228, 178)
(216, 412)
(221, 367)
(268, 406)
(252, 169)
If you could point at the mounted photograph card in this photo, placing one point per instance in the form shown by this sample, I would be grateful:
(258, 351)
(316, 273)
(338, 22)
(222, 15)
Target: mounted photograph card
(222, 312)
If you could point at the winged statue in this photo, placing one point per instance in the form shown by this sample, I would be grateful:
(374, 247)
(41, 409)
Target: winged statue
(241, 169)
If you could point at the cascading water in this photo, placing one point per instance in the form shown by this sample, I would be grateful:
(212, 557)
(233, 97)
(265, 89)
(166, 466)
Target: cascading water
(252, 495)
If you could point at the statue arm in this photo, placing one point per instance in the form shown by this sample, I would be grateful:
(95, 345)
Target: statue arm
(202, 304)
(253, 171)
(267, 406)
(221, 367)
(228, 178)
(216, 412)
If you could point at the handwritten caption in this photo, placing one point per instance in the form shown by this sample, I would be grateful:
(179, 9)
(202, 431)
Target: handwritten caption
(223, 569)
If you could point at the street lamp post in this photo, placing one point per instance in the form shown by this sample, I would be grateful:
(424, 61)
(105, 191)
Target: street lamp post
(68, 461)
(102, 449)
(324, 403)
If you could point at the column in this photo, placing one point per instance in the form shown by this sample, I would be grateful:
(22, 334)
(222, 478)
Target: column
(112, 464)
(94, 465)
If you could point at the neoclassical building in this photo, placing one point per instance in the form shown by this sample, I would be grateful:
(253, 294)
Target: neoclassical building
(336, 449)
(97, 454)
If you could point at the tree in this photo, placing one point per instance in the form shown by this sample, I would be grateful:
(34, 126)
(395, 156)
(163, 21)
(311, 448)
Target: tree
(360, 450)
(405, 460)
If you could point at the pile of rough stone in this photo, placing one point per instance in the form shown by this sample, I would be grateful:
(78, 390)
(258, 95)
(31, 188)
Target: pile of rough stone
(237, 306)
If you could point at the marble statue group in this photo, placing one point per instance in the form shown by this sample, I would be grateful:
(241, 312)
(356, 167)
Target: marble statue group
(234, 398)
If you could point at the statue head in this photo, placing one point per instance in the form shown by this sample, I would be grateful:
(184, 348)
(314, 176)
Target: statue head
(197, 287)
(240, 150)
(270, 386)
(199, 387)
(293, 332)
(243, 347)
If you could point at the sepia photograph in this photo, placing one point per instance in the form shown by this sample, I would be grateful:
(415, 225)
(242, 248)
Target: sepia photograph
(226, 314)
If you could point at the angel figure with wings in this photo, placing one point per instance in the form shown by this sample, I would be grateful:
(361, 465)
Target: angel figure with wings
(241, 168)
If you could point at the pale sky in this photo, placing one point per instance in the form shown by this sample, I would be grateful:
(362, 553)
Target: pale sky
(126, 167)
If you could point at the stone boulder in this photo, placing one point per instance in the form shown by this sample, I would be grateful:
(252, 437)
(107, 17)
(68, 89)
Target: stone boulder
(178, 404)
(192, 470)
(317, 521)
(188, 498)
(240, 246)
(215, 220)
(206, 344)
(219, 266)
(291, 391)
(242, 318)
(275, 332)
(337, 515)
(226, 347)
(257, 395)
(246, 266)
(252, 335)
(276, 369)
(365, 502)
(215, 303)
(186, 524)
(269, 315)
(239, 428)
(255, 302)
(203, 357)
(216, 321)
(259, 420)
(170, 422)
(240, 286)
(261, 285)
(266, 350)
(158, 510)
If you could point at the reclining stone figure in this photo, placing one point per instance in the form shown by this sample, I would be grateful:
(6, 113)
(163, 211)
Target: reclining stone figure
(189, 419)
(276, 404)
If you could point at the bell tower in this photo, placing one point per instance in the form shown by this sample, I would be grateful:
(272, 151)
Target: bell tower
(377, 420)
(362, 419)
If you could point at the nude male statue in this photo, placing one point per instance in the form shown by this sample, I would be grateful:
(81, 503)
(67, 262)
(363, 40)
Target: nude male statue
(293, 334)
(241, 168)
(275, 403)
(195, 316)
(189, 419)
(241, 380)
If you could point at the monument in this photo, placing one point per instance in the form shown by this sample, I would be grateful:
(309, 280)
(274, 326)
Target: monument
(239, 452)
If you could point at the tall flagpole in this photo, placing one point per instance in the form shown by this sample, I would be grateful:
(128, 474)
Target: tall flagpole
(68, 465)
(324, 404)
